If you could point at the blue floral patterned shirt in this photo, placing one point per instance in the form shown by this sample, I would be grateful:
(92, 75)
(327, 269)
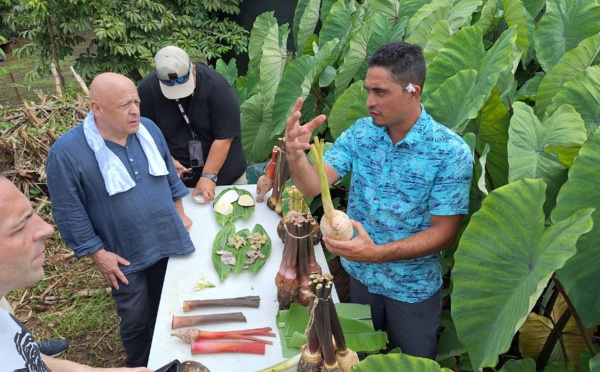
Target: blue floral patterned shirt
(395, 189)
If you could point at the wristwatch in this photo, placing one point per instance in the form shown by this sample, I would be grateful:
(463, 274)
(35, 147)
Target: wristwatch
(210, 176)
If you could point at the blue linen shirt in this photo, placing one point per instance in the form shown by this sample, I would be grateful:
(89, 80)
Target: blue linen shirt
(394, 190)
(141, 224)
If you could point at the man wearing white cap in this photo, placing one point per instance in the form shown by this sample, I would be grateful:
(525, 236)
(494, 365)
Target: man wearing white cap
(199, 115)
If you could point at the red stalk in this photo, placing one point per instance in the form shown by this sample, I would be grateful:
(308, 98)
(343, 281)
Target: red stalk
(205, 335)
(193, 334)
(265, 182)
(209, 347)
(270, 173)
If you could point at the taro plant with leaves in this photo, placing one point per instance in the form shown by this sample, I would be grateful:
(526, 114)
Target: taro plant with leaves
(520, 80)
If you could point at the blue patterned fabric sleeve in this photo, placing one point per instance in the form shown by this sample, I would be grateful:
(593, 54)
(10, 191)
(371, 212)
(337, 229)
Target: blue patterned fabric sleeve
(340, 155)
(450, 192)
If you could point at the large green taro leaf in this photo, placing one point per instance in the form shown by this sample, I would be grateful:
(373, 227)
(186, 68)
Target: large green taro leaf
(579, 276)
(573, 63)
(336, 26)
(583, 93)
(271, 63)
(228, 70)
(397, 362)
(294, 83)
(408, 8)
(595, 363)
(457, 100)
(564, 25)
(259, 32)
(461, 13)
(534, 6)
(520, 365)
(439, 35)
(351, 105)
(463, 51)
(326, 6)
(306, 18)
(425, 11)
(471, 84)
(527, 139)
(460, 97)
(383, 32)
(487, 18)
(420, 35)
(257, 126)
(391, 8)
(297, 81)
(354, 57)
(491, 126)
(503, 262)
(515, 14)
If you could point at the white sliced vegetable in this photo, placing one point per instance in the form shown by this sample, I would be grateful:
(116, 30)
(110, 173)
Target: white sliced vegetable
(223, 207)
(230, 196)
(246, 200)
(199, 199)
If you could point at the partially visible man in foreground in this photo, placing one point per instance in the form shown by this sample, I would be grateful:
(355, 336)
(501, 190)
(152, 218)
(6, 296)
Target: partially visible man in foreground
(410, 185)
(22, 236)
(116, 197)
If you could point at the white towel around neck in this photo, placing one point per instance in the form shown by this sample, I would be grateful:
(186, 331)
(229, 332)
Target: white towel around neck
(116, 178)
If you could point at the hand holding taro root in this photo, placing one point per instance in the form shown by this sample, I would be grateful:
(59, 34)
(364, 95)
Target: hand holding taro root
(334, 224)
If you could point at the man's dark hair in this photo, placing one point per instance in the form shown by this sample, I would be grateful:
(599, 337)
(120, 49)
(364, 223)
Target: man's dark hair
(405, 61)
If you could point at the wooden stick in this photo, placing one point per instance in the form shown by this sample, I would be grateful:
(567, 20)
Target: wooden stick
(80, 81)
(56, 80)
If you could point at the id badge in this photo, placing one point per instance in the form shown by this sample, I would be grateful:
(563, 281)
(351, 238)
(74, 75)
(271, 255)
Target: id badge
(196, 156)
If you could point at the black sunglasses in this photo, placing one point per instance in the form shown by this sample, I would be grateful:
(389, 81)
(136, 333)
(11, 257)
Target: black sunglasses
(180, 80)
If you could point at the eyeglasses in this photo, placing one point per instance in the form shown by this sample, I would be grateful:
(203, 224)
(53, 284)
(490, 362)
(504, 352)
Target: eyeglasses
(180, 80)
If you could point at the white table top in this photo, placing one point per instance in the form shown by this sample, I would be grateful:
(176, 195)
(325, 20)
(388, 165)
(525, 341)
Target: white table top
(184, 272)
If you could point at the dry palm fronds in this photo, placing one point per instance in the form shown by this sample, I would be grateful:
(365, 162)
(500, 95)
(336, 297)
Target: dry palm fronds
(27, 133)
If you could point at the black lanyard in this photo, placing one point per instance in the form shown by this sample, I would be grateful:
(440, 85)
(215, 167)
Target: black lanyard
(185, 117)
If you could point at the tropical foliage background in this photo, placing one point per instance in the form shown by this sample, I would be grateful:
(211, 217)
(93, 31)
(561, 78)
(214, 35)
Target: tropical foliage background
(520, 81)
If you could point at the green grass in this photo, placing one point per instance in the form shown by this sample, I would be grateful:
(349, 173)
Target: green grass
(83, 316)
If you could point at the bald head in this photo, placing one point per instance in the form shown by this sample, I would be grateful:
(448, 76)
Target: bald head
(116, 105)
(107, 84)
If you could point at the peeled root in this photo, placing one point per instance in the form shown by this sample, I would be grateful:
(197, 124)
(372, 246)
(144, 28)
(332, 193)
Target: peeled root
(188, 335)
(333, 368)
(263, 186)
(346, 359)
(302, 298)
(339, 227)
(308, 362)
(287, 291)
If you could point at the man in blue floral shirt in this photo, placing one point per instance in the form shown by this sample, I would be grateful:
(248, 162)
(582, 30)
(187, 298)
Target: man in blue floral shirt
(410, 187)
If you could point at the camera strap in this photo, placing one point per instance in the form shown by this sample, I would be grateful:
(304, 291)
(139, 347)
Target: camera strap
(186, 118)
